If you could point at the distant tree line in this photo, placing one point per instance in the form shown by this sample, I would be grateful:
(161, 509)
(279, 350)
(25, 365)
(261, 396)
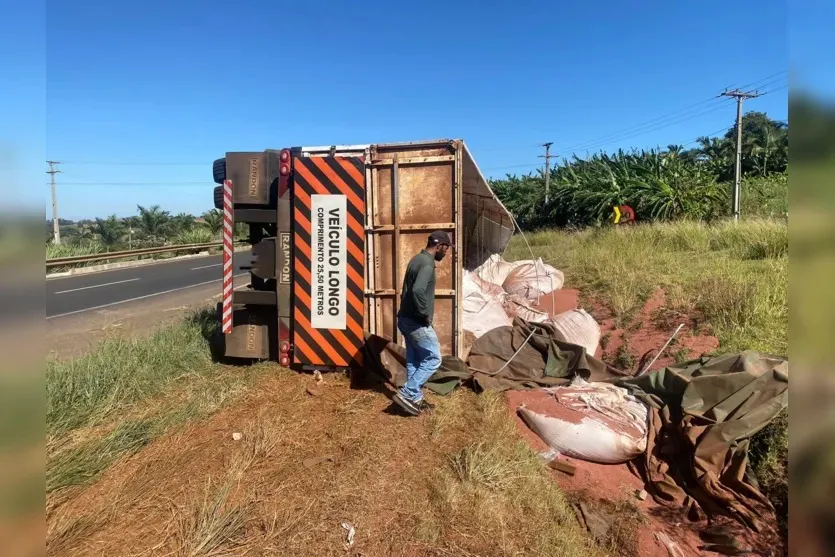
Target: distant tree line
(659, 184)
(150, 227)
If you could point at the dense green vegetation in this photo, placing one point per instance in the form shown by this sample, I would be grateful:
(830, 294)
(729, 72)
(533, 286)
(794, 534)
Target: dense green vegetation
(659, 184)
(150, 227)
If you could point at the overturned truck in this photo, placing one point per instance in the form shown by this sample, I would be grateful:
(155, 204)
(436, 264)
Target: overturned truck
(332, 229)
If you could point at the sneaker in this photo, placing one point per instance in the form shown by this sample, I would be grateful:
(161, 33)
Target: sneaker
(407, 405)
(425, 406)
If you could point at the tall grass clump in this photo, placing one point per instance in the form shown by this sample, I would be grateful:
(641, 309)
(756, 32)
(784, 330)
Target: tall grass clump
(86, 390)
(497, 492)
(54, 251)
(200, 235)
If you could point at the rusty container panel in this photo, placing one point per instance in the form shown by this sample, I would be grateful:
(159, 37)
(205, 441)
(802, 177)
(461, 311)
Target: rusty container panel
(414, 190)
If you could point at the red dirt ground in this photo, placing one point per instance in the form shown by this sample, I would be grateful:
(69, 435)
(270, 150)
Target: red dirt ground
(611, 483)
(647, 332)
(558, 301)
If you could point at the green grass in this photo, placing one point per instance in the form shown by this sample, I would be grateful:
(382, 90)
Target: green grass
(766, 196)
(733, 275)
(200, 235)
(94, 247)
(729, 272)
(117, 399)
(84, 464)
(54, 251)
(120, 372)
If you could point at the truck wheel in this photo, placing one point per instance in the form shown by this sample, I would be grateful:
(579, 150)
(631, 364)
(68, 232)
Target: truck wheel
(219, 170)
(218, 197)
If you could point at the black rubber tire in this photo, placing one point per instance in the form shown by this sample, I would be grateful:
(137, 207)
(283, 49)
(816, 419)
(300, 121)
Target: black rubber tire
(218, 197)
(219, 170)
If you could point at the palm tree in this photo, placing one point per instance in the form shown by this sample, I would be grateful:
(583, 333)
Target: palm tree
(213, 220)
(154, 221)
(183, 222)
(110, 231)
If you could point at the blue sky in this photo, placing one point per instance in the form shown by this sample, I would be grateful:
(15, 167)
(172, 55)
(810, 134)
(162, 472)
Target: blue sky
(141, 97)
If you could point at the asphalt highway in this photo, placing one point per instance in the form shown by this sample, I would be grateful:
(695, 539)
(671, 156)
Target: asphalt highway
(80, 293)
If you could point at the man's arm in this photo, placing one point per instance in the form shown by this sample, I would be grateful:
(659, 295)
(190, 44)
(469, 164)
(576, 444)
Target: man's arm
(419, 291)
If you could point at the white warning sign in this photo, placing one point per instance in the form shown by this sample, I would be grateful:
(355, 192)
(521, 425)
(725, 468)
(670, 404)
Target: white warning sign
(328, 214)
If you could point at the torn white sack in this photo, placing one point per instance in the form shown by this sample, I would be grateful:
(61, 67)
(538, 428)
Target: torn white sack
(597, 422)
(533, 279)
(495, 269)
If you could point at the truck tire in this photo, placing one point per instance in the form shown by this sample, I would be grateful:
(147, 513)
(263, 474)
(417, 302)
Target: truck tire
(219, 170)
(218, 197)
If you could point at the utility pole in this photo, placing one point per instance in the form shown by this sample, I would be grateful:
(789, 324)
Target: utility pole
(56, 231)
(740, 97)
(547, 157)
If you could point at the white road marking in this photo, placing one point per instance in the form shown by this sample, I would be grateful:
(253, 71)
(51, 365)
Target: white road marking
(138, 298)
(206, 266)
(96, 286)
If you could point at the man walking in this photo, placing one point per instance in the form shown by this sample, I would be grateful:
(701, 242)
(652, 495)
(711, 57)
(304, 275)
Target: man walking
(414, 321)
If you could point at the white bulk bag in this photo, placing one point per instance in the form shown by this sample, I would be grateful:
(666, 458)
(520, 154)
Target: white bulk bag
(597, 422)
(495, 269)
(532, 279)
(578, 327)
(482, 311)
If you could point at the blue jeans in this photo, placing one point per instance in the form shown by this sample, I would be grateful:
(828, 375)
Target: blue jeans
(423, 356)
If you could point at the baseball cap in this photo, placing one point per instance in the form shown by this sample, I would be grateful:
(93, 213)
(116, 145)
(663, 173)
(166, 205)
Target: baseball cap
(440, 237)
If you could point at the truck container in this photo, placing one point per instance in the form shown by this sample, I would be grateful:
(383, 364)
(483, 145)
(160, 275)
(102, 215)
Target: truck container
(332, 230)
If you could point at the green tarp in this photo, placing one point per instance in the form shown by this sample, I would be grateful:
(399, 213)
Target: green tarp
(702, 412)
(702, 416)
(528, 355)
(536, 359)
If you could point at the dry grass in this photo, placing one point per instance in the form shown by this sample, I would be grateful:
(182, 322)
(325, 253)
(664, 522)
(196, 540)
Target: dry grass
(496, 490)
(456, 482)
(213, 526)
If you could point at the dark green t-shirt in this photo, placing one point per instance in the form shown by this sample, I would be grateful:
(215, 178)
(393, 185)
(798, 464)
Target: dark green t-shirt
(417, 300)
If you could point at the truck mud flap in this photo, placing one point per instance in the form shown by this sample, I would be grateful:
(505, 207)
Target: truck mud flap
(329, 261)
(254, 335)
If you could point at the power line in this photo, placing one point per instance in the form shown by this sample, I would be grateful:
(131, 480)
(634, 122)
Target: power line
(626, 133)
(205, 183)
(639, 127)
(618, 138)
(534, 165)
(758, 83)
(708, 135)
(137, 163)
(775, 89)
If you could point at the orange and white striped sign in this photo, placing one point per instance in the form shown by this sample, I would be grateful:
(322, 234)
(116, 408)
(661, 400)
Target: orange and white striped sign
(329, 268)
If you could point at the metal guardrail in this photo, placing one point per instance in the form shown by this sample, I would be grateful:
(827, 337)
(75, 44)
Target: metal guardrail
(58, 261)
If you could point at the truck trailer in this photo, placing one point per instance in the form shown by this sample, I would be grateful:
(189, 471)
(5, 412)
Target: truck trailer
(332, 229)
